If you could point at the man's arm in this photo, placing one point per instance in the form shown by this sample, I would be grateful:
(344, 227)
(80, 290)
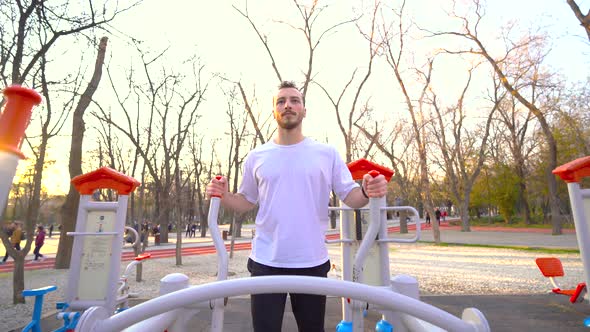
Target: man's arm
(355, 199)
(236, 202)
(374, 187)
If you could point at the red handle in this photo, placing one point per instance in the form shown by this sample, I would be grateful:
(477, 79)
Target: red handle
(218, 177)
(143, 256)
(374, 173)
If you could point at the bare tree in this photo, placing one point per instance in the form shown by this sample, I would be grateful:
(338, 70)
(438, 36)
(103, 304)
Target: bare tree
(393, 43)
(70, 207)
(24, 24)
(308, 15)
(237, 133)
(397, 148)
(516, 125)
(584, 19)
(174, 100)
(501, 66)
(353, 115)
(464, 152)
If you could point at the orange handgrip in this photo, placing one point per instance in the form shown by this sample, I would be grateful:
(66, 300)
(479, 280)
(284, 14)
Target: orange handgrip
(143, 256)
(16, 116)
(218, 177)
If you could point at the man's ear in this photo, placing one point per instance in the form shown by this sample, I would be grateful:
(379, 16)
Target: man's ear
(304, 111)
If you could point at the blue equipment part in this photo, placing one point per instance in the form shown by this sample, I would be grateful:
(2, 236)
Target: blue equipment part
(344, 326)
(383, 326)
(35, 324)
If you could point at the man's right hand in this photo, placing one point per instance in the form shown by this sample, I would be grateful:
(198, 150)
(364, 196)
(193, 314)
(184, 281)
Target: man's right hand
(217, 187)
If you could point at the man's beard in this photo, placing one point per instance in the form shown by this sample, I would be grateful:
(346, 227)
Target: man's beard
(289, 124)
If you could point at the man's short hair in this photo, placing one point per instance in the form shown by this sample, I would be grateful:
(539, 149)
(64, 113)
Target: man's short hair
(288, 84)
(291, 84)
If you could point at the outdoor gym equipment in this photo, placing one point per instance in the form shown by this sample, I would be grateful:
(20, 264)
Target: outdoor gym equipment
(572, 173)
(178, 302)
(551, 268)
(13, 122)
(94, 276)
(70, 318)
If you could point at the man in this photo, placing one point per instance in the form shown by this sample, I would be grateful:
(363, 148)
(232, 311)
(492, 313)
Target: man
(15, 239)
(290, 178)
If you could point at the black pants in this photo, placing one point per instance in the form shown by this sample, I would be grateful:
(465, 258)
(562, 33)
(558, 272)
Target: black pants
(16, 246)
(268, 309)
(36, 252)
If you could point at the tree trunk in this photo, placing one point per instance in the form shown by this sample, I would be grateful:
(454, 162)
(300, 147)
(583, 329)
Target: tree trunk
(31, 219)
(554, 200)
(18, 280)
(164, 215)
(403, 223)
(526, 210)
(464, 213)
(178, 245)
(69, 209)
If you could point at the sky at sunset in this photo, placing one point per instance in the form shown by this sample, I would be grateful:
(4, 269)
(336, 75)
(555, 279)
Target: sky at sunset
(229, 46)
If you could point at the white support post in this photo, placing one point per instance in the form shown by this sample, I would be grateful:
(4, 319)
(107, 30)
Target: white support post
(580, 203)
(345, 256)
(8, 165)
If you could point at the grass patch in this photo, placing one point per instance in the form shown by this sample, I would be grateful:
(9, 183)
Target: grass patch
(523, 248)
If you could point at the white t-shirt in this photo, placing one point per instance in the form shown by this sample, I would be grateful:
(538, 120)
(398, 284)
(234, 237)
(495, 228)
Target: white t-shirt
(292, 185)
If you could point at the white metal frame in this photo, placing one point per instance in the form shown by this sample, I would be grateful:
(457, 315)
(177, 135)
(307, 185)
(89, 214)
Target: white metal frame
(8, 164)
(97, 320)
(580, 203)
(353, 312)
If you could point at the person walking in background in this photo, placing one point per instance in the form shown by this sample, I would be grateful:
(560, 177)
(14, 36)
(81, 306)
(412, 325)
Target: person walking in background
(290, 178)
(437, 215)
(39, 241)
(15, 239)
(427, 218)
(187, 232)
(50, 230)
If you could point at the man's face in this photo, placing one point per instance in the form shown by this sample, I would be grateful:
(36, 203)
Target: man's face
(289, 110)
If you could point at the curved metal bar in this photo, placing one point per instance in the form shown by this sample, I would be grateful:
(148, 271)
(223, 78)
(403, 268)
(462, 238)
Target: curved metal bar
(418, 228)
(275, 284)
(222, 262)
(136, 242)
